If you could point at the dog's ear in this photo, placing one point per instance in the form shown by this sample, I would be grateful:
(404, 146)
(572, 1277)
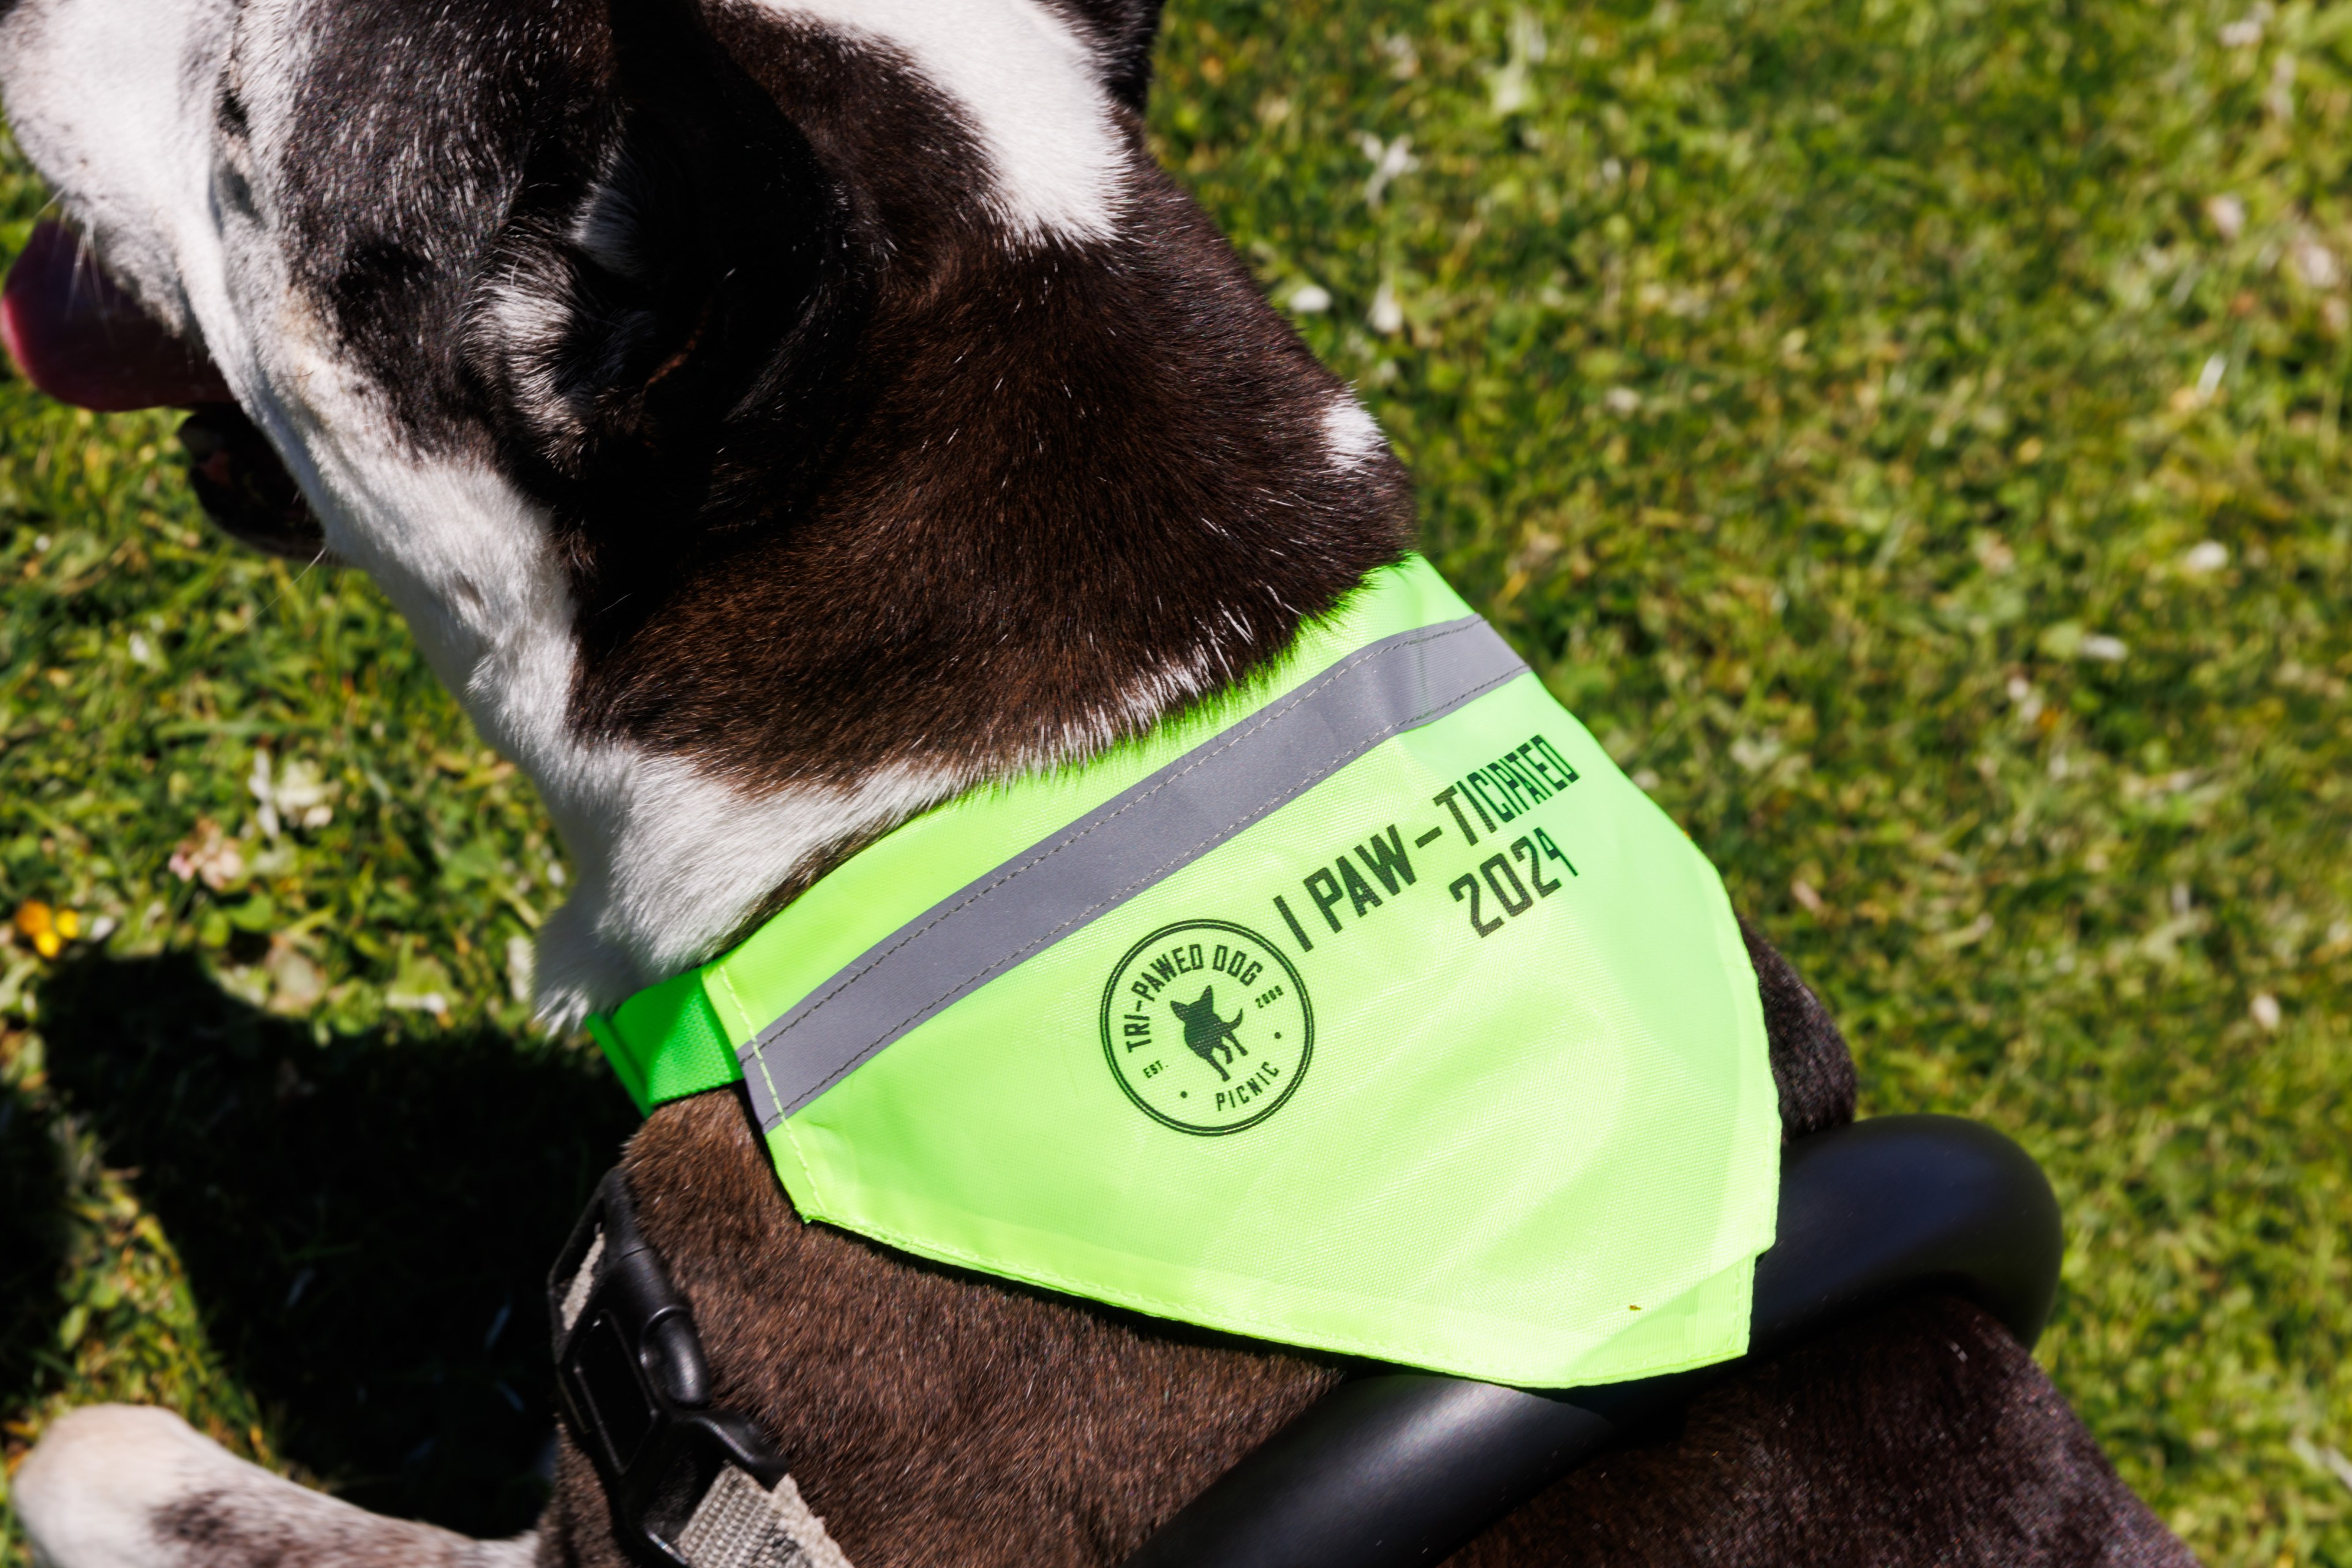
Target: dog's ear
(1124, 32)
(618, 325)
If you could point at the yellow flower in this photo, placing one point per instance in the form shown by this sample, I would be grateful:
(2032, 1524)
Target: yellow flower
(47, 929)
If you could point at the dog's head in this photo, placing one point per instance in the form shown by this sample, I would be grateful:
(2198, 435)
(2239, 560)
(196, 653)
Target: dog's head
(827, 395)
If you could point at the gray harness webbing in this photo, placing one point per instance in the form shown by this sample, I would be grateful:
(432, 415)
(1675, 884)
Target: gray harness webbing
(738, 1525)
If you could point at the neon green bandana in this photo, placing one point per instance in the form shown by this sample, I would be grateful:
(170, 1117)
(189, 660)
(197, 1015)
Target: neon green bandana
(1370, 1010)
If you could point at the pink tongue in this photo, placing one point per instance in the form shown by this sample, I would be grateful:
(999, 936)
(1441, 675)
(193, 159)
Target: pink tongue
(81, 340)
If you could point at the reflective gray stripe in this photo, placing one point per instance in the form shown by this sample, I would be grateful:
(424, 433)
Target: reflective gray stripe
(1157, 827)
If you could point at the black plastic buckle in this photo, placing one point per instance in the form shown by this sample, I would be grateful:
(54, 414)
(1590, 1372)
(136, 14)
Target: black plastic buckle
(634, 1386)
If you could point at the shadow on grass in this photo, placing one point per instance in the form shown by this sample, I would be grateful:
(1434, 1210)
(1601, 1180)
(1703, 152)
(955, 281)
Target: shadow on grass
(32, 1244)
(366, 1225)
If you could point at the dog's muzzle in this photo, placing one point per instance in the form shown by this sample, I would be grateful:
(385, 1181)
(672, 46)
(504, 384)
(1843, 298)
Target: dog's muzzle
(78, 336)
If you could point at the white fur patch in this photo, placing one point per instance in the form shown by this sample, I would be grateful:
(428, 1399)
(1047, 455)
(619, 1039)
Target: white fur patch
(669, 858)
(683, 858)
(93, 1492)
(1352, 434)
(527, 311)
(120, 108)
(1032, 90)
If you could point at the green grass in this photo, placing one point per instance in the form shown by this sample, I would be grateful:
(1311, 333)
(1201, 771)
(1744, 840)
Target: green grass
(1910, 435)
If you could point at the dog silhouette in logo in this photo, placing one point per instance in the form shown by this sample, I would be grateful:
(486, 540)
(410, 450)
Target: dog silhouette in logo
(1206, 1034)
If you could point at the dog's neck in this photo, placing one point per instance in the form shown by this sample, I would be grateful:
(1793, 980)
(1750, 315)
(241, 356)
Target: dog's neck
(1022, 555)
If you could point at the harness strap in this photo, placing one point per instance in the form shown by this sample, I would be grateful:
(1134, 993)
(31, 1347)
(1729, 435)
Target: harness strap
(689, 1487)
(738, 1525)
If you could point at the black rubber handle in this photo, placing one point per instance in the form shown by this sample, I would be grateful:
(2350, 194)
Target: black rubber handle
(1901, 1204)
(1394, 1468)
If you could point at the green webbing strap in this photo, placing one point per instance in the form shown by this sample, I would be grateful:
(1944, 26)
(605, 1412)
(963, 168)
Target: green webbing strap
(666, 1042)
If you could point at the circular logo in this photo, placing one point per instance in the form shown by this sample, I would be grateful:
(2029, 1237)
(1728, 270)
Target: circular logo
(1207, 1027)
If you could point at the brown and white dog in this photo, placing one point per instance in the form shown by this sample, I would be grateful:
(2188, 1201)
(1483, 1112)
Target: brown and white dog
(774, 417)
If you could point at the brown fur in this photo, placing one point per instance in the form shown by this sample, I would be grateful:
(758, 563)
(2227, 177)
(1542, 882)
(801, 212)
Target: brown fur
(1041, 492)
(1811, 1064)
(1923, 1435)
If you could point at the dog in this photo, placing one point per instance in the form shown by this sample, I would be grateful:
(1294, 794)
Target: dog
(775, 418)
(1206, 1035)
